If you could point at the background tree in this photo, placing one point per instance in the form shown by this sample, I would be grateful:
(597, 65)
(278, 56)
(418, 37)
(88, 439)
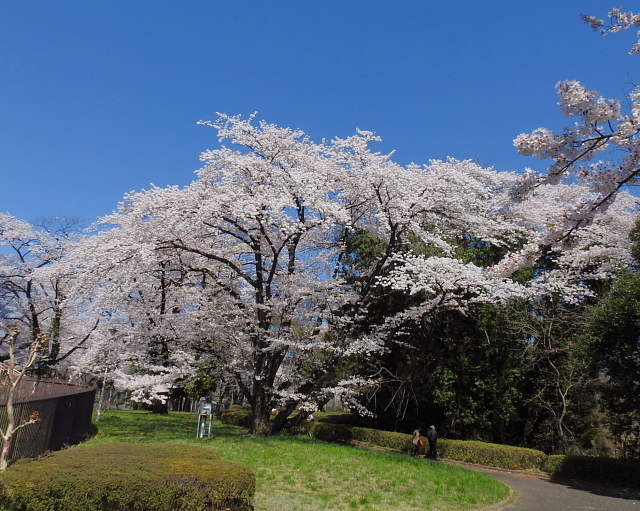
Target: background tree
(34, 288)
(615, 323)
(559, 385)
(506, 373)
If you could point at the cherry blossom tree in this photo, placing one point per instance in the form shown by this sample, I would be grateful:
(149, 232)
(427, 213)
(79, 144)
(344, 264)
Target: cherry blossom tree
(602, 126)
(252, 250)
(33, 287)
(618, 21)
(244, 268)
(142, 305)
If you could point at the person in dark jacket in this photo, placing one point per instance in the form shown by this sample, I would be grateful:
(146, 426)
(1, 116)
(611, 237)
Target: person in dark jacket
(432, 438)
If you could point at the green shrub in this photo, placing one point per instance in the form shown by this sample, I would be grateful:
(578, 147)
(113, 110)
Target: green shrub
(331, 432)
(345, 418)
(388, 439)
(236, 417)
(492, 455)
(595, 469)
(334, 432)
(131, 477)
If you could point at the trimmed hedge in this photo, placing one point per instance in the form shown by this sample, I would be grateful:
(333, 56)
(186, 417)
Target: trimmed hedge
(331, 432)
(131, 477)
(594, 469)
(493, 455)
(388, 439)
(345, 418)
(236, 417)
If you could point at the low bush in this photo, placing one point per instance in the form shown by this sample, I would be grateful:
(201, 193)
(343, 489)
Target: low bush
(333, 433)
(131, 477)
(345, 418)
(388, 439)
(236, 417)
(492, 455)
(595, 469)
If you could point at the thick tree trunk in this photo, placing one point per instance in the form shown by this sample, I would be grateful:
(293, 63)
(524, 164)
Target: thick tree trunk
(261, 416)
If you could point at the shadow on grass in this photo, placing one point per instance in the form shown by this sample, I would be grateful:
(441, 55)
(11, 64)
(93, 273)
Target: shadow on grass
(144, 424)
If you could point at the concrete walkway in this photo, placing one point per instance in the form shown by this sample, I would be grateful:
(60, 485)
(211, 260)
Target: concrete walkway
(538, 494)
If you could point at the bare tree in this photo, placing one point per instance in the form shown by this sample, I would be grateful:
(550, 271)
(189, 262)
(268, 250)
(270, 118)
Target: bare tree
(11, 374)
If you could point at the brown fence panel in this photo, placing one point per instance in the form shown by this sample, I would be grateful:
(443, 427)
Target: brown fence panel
(72, 419)
(33, 440)
(65, 413)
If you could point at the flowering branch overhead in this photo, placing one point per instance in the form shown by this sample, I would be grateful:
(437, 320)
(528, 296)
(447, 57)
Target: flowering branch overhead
(576, 153)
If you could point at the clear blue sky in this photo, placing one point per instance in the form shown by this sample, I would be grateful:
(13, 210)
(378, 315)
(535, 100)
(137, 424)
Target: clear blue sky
(102, 97)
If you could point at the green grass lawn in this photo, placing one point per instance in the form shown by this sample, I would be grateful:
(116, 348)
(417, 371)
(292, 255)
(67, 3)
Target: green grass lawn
(300, 473)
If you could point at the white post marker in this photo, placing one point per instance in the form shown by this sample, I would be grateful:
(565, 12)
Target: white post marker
(205, 420)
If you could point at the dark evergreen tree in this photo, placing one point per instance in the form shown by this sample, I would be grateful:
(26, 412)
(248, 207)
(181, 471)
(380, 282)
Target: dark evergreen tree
(616, 324)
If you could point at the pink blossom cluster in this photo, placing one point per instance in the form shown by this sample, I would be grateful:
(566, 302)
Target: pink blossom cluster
(602, 126)
(618, 21)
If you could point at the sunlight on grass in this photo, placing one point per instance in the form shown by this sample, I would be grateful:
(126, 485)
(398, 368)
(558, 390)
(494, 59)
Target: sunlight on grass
(300, 473)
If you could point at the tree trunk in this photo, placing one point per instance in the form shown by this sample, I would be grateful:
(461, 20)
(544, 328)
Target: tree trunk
(261, 416)
(10, 430)
(160, 407)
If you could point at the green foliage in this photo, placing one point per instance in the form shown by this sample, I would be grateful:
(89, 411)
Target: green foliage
(515, 373)
(389, 439)
(560, 377)
(362, 249)
(336, 417)
(201, 384)
(616, 325)
(131, 477)
(328, 432)
(634, 235)
(598, 470)
(492, 455)
(462, 371)
(479, 252)
(236, 416)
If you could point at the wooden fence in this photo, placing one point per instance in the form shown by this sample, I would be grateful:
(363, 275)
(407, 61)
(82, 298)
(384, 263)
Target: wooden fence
(65, 412)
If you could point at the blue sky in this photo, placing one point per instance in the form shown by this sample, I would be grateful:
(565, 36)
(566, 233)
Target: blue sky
(100, 98)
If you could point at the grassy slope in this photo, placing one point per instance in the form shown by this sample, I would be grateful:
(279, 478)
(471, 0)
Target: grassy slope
(299, 473)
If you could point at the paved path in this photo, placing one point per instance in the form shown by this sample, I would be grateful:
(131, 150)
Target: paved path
(538, 494)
